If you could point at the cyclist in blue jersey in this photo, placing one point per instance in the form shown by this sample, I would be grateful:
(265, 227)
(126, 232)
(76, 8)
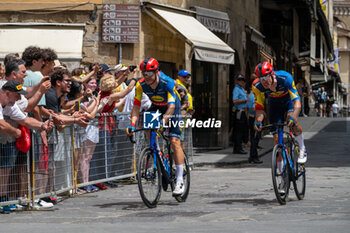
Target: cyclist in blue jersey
(162, 92)
(283, 100)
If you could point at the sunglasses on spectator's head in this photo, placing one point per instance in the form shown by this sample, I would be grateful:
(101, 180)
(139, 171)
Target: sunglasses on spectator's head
(265, 78)
(147, 73)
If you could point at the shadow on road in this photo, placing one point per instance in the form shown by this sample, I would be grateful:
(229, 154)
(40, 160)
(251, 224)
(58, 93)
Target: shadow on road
(254, 201)
(134, 205)
(124, 205)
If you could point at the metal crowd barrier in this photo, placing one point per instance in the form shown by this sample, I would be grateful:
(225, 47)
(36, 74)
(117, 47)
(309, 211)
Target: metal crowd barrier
(74, 157)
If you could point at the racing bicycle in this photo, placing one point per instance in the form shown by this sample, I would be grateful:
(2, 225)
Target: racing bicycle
(292, 170)
(156, 170)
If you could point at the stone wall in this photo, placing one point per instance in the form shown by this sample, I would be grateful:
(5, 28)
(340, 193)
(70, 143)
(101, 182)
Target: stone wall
(156, 41)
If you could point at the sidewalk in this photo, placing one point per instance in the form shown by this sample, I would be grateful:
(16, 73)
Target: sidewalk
(225, 157)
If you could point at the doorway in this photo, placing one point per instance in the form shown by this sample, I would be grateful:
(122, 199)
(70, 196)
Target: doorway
(205, 93)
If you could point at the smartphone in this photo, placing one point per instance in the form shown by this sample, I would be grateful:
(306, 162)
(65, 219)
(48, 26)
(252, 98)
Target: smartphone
(50, 119)
(132, 68)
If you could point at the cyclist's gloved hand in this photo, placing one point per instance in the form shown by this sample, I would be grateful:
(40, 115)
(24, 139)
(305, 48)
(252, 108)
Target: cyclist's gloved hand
(291, 122)
(257, 125)
(161, 128)
(130, 129)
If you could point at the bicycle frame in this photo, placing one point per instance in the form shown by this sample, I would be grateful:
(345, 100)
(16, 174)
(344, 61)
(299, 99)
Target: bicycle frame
(153, 145)
(281, 143)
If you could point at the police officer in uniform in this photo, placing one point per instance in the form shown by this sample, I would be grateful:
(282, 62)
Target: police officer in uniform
(240, 126)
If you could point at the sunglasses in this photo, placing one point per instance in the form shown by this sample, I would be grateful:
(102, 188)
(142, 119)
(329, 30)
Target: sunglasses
(147, 73)
(67, 80)
(265, 78)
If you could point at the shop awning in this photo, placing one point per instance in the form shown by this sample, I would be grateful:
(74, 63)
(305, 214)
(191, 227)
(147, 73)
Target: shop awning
(206, 45)
(45, 35)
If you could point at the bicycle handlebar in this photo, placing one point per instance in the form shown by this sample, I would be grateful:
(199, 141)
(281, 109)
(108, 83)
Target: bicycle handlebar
(166, 138)
(274, 124)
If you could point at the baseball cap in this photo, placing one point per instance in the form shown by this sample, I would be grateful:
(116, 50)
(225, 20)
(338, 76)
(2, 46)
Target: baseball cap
(14, 86)
(57, 63)
(120, 67)
(183, 73)
(105, 68)
(240, 77)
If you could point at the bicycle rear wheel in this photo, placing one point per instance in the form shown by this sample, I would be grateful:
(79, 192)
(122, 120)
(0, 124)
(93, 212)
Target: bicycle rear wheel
(299, 181)
(280, 180)
(186, 179)
(149, 178)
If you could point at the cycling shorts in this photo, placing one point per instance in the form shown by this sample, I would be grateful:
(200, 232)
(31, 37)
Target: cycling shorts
(278, 110)
(174, 130)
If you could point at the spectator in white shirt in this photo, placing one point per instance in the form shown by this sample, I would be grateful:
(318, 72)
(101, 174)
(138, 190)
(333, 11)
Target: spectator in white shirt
(9, 94)
(335, 109)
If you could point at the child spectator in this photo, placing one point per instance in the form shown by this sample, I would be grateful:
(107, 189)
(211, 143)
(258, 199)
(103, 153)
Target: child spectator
(92, 135)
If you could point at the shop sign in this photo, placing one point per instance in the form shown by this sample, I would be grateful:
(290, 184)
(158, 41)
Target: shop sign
(214, 56)
(215, 24)
(120, 23)
(217, 21)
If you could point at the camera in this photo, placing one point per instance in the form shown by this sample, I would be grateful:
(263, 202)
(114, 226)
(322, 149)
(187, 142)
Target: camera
(132, 68)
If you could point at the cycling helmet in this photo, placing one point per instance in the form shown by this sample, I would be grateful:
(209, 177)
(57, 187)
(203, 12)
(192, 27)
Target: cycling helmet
(149, 64)
(263, 69)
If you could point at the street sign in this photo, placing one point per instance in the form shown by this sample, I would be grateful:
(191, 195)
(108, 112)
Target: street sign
(120, 23)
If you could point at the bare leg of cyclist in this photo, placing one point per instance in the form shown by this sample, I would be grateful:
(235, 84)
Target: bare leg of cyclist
(179, 161)
(299, 137)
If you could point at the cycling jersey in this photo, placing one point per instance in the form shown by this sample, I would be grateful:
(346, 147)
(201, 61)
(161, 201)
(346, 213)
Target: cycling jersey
(280, 101)
(161, 97)
(285, 90)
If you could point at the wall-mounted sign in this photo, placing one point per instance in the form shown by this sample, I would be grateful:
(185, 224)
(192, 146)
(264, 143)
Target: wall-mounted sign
(120, 23)
(216, 21)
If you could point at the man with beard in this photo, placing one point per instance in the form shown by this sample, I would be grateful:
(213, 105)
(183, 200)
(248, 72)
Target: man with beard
(59, 141)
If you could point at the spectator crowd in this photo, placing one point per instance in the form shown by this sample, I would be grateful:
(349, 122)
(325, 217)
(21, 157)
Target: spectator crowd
(39, 93)
(325, 105)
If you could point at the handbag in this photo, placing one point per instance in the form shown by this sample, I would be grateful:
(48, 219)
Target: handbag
(23, 142)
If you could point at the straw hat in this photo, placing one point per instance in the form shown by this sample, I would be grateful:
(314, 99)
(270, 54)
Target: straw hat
(107, 83)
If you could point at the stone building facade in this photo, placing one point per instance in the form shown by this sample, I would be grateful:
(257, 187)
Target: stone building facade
(76, 29)
(212, 82)
(342, 12)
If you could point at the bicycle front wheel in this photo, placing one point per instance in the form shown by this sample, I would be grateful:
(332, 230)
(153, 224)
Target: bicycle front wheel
(299, 182)
(187, 181)
(280, 179)
(149, 178)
